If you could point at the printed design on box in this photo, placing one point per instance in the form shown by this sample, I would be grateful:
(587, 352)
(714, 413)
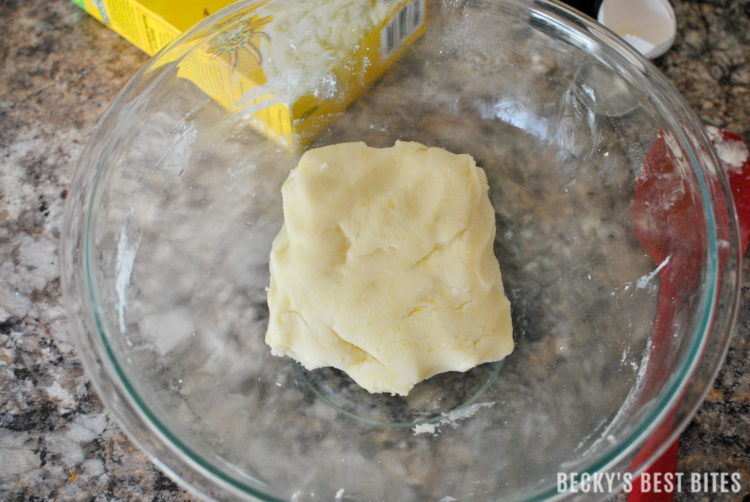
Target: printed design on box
(406, 22)
(102, 10)
(244, 34)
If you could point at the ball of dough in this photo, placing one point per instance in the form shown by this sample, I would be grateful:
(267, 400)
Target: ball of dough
(384, 266)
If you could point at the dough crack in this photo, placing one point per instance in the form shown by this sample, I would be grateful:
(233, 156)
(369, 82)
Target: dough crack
(441, 245)
(363, 353)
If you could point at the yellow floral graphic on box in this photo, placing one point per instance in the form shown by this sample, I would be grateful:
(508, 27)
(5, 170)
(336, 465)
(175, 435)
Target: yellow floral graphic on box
(242, 34)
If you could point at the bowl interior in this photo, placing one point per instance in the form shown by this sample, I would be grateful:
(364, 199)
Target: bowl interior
(186, 203)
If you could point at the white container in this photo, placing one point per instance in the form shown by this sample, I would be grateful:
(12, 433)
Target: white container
(647, 25)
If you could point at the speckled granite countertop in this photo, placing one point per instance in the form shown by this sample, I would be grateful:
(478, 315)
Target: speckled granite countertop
(59, 69)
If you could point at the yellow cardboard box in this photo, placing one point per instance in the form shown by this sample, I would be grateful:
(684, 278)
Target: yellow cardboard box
(227, 64)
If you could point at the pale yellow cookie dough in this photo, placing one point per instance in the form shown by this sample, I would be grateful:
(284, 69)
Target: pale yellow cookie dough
(384, 266)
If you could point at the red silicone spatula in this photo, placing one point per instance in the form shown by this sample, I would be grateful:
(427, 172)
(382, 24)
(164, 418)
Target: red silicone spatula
(676, 241)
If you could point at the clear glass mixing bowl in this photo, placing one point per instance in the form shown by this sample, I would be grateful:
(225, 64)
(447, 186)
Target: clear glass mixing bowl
(177, 199)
